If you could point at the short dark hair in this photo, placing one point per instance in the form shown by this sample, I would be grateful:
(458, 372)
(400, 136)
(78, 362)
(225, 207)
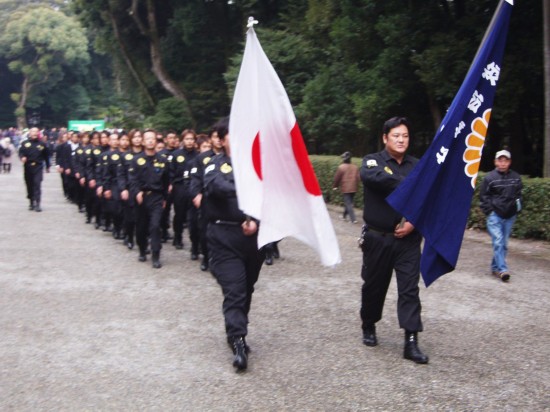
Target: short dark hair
(394, 122)
(222, 127)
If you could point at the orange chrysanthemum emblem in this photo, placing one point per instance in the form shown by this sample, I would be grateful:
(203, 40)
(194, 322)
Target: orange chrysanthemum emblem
(474, 145)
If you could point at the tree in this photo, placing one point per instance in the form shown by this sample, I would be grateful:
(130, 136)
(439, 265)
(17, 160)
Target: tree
(39, 43)
(546, 160)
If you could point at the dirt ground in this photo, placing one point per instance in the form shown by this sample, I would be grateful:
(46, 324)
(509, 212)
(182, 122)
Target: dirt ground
(85, 326)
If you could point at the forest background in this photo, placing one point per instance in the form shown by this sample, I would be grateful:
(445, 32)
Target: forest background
(347, 66)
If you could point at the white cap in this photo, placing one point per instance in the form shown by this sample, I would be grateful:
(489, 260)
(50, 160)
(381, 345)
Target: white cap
(504, 153)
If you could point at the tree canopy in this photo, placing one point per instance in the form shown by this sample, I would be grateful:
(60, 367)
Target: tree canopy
(347, 66)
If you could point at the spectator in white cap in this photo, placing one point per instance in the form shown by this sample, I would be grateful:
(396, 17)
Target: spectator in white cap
(500, 200)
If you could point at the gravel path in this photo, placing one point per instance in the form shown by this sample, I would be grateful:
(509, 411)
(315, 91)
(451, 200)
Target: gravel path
(85, 326)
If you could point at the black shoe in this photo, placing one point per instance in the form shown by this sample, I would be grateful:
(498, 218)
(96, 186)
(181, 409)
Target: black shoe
(246, 347)
(37, 208)
(194, 256)
(107, 228)
(97, 225)
(142, 257)
(204, 265)
(156, 260)
(88, 220)
(240, 361)
(178, 244)
(31, 205)
(412, 352)
(369, 336)
(269, 260)
(276, 253)
(129, 245)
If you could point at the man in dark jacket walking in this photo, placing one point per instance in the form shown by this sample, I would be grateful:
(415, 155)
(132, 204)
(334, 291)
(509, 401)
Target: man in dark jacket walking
(500, 200)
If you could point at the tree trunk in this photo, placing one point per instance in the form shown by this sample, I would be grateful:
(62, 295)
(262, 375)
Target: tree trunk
(546, 31)
(129, 62)
(435, 111)
(21, 111)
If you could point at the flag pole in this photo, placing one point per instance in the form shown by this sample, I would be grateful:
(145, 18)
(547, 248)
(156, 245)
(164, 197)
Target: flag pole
(490, 28)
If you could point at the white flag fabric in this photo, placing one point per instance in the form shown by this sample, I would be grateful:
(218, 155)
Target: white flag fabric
(273, 175)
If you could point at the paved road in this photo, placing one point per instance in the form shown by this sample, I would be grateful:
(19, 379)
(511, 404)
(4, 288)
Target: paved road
(85, 326)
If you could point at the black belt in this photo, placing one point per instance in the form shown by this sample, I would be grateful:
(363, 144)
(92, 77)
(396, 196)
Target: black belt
(380, 232)
(226, 222)
(150, 192)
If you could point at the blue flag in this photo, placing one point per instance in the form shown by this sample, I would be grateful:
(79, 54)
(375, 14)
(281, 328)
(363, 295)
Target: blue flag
(436, 196)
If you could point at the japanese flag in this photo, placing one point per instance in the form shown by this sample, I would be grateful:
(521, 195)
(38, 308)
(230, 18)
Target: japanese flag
(273, 175)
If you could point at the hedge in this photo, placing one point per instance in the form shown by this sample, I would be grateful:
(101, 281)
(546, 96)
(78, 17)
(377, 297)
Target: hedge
(533, 222)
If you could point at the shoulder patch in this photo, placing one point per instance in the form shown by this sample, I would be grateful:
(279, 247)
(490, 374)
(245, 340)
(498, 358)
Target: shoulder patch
(129, 156)
(141, 161)
(79, 151)
(388, 170)
(27, 144)
(115, 157)
(88, 151)
(226, 168)
(206, 160)
(97, 152)
(180, 159)
(372, 163)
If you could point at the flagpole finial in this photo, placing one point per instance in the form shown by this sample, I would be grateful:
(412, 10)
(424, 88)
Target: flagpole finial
(251, 22)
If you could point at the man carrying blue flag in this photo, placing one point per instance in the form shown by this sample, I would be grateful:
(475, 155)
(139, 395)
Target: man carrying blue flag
(389, 242)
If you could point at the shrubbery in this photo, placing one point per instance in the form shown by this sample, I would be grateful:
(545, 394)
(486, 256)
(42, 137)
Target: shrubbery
(533, 222)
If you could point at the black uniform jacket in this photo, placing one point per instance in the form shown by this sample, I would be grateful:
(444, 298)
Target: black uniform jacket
(36, 153)
(381, 174)
(219, 191)
(148, 174)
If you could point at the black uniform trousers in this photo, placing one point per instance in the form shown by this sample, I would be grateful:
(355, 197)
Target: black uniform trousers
(148, 217)
(129, 219)
(235, 262)
(381, 254)
(185, 213)
(90, 200)
(165, 219)
(33, 180)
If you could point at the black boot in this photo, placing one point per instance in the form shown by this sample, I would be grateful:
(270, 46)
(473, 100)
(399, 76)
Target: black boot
(412, 352)
(369, 335)
(37, 207)
(194, 252)
(178, 244)
(156, 260)
(238, 345)
(142, 255)
(31, 205)
(204, 264)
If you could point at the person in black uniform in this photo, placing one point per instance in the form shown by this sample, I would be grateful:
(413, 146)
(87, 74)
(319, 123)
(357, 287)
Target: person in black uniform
(111, 192)
(184, 211)
(196, 188)
(148, 180)
(129, 202)
(232, 242)
(34, 154)
(78, 160)
(389, 242)
(171, 144)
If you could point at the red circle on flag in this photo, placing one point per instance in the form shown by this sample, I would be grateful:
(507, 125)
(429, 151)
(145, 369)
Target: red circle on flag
(306, 169)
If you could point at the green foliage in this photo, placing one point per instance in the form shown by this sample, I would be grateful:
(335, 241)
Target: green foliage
(171, 113)
(533, 222)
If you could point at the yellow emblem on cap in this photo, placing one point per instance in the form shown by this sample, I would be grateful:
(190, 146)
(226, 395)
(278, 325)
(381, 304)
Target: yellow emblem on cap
(141, 161)
(226, 168)
(115, 157)
(206, 160)
(180, 159)
(388, 170)
(129, 156)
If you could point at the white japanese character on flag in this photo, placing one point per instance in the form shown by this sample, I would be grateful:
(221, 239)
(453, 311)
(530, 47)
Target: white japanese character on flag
(476, 101)
(491, 73)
